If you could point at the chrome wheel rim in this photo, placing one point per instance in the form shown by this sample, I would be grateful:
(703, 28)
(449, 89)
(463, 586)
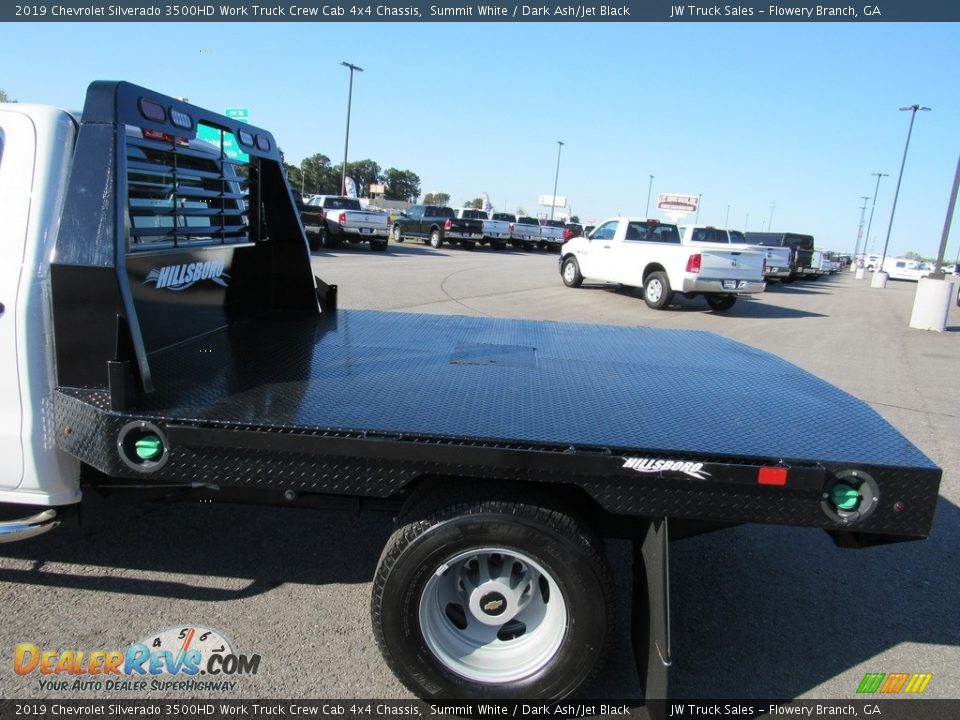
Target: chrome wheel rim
(493, 615)
(654, 291)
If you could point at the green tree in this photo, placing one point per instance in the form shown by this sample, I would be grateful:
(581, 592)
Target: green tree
(363, 172)
(521, 211)
(401, 185)
(3, 96)
(475, 203)
(913, 256)
(315, 175)
(440, 198)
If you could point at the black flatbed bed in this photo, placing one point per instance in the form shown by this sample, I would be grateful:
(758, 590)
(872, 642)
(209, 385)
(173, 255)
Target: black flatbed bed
(548, 401)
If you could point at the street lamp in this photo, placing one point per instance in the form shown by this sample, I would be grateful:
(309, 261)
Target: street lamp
(553, 202)
(726, 222)
(872, 208)
(346, 142)
(699, 198)
(863, 209)
(649, 190)
(913, 114)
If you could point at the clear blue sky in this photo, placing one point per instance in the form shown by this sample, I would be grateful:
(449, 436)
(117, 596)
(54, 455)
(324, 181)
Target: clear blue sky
(799, 114)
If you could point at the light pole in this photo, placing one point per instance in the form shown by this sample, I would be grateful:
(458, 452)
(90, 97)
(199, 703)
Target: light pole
(699, 199)
(649, 190)
(556, 177)
(303, 180)
(872, 208)
(746, 222)
(773, 206)
(860, 226)
(346, 142)
(726, 223)
(913, 114)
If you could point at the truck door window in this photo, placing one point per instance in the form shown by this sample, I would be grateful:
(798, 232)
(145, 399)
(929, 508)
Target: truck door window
(606, 231)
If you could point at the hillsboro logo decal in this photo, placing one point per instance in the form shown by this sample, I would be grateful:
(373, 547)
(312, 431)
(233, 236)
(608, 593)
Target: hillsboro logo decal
(651, 465)
(181, 277)
(894, 683)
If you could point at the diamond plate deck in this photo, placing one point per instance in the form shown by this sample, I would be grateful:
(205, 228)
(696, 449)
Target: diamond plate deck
(364, 403)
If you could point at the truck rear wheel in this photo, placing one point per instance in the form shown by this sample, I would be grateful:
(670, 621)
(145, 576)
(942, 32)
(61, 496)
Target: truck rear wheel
(467, 244)
(494, 598)
(436, 239)
(656, 291)
(378, 245)
(397, 237)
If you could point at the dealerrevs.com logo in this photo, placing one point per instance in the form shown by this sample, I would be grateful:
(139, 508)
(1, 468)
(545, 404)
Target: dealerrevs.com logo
(181, 277)
(182, 658)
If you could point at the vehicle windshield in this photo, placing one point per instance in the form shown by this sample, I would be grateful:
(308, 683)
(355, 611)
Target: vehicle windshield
(504, 216)
(523, 220)
(474, 214)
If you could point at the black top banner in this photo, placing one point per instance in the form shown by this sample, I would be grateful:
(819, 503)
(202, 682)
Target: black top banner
(301, 11)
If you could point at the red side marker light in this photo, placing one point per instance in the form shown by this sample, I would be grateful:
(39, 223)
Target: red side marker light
(772, 476)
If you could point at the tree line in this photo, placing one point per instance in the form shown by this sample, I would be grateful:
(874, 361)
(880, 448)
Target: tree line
(316, 175)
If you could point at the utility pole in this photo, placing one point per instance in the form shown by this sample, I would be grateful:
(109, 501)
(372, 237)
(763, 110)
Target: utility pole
(863, 210)
(346, 142)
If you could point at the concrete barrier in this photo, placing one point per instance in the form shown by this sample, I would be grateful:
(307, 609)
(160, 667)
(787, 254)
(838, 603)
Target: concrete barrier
(931, 304)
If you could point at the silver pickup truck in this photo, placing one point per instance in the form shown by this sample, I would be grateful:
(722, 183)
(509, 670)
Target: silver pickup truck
(525, 232)
(496, 231)
(778, 259)
(551, 234)
(345, 219)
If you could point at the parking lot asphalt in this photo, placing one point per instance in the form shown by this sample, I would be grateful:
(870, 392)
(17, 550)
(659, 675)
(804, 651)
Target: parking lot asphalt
(758, 611)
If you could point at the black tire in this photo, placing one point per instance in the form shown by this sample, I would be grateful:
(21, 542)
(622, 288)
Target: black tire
(378, 245)
(436, 239)
(720, 303)
(516, 245)
(570, 272)
(467, 244)
(329, 241)
(395, 234)
(498, 244)
(656, 290)
(313, 239)
(554, 557)
(788, 279)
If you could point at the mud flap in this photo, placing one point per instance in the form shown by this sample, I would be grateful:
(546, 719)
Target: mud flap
(651, 612)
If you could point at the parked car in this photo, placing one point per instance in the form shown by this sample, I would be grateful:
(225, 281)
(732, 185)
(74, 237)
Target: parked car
(436, 225)
(525, 232)
(572, 230)
(345, 219)
(496, 231)
(778, 259)
(637, 252)
(551, 234)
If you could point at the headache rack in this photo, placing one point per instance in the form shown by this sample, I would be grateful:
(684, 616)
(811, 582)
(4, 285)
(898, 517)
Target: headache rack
(178, 212)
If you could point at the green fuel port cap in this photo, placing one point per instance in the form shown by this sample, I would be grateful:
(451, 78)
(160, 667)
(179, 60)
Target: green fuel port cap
(149, 447)
(844, 497)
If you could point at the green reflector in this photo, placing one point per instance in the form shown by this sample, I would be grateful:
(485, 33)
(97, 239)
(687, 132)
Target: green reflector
(844, 496)
(148, 447)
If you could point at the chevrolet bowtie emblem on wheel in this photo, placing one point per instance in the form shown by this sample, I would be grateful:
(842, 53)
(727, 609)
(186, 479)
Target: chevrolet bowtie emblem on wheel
(493, 605)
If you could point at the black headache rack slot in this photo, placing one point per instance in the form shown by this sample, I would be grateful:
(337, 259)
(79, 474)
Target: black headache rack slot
(895, 503)
(166, 237)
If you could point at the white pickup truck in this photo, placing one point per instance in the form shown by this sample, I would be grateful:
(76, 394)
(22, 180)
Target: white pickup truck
(345, 219)
(639, 252)
(496, 232)
(779, 259)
